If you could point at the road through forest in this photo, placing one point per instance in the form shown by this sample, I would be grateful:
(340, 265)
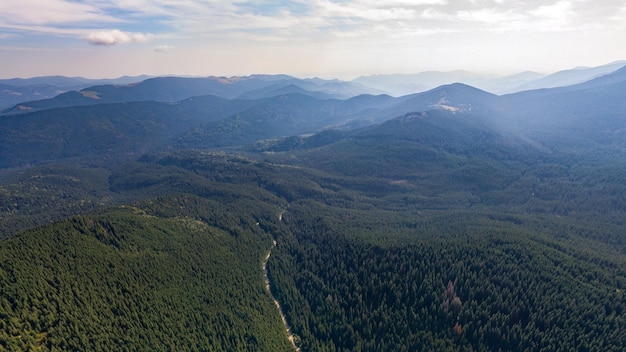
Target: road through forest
(269, 291)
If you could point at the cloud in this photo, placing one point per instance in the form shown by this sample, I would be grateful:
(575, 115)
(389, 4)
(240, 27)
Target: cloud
(114, 37)
(46, 12)
(294, 20)
(163, 48)
(489, 16)
(557, 14)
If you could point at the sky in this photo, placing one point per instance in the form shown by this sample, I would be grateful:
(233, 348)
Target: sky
(323, 38)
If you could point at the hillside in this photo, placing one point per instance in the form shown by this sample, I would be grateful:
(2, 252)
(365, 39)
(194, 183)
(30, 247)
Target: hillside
(110, 131)
(587, 117)
(134, 278)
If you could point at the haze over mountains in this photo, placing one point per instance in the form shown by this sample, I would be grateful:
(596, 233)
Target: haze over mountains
(171, 89)
(160, 112)
(402, 84)
(142, 215)
(16, 90)
(22, 95)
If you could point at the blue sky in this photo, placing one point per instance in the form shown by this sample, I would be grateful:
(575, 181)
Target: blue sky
(345, 39)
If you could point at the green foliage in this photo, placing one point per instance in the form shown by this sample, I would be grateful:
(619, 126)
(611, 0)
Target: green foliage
(346, 287)
(39, 195)
(130, 279)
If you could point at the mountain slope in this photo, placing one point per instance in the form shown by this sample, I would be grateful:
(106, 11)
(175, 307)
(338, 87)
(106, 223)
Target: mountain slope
(134, 278)
(112, 130)
(587, 116)
(455, 97)
(280, 116)
(137, 127)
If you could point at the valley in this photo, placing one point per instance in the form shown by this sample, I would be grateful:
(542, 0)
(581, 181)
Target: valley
(181, 213)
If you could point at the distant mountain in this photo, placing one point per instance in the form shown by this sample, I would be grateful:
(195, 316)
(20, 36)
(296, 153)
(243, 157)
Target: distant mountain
(570, 77)
(11, 95)
(71, 82)
(171, 89)
(606, 81)
(101, 131)
(17, 90)
(315, 87)
(455, 97)
(161, 89)
(202, 122)
(599, 96)
(507, 84)
(339, 88)
(580, 116)
(403, 84)
(279, 116)
(285, 88)
(586, 116)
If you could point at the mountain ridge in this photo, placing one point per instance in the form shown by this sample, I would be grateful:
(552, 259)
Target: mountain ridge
(171, 89)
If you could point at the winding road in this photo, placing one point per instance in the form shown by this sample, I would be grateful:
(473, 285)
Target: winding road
(269, 291)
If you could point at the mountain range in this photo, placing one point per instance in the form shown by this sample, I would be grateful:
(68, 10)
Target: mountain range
(17, 90)
(23, 95)
(545, 116)
(403, 84)
(172, 89)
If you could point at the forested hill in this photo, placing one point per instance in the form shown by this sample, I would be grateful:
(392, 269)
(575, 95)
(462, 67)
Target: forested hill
(177, 273)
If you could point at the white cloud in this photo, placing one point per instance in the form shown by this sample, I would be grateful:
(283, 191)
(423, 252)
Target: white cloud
(114, 37)
(557, 10)
(163, 48)
(293, 20)
(435, 15)
(489, 16)
(406, 3)
(619, 15)
(555, 18)
(50, 12)
(561, 12)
